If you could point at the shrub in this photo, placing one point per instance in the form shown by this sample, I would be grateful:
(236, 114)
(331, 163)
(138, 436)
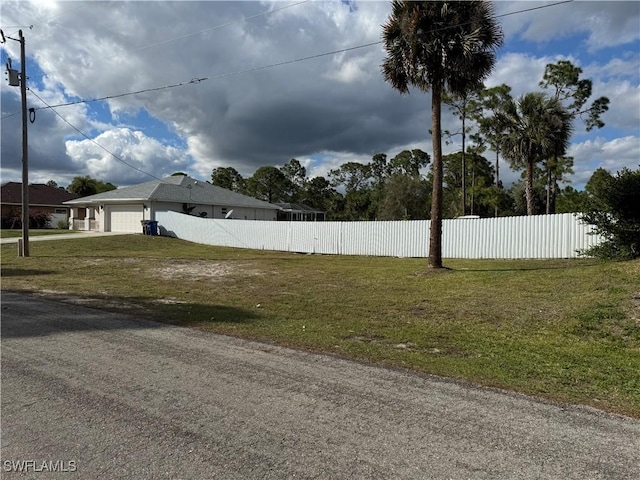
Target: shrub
(37, 219)
(613, 207)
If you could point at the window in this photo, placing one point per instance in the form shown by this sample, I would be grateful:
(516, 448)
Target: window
(61, 211)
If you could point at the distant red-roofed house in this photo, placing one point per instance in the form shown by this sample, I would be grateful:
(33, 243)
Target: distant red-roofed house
(42, 198)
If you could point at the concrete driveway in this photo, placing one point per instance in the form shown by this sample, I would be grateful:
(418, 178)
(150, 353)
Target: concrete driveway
(63, 236)
(117, 397)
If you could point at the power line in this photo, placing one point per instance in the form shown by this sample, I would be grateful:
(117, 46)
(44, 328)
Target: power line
(11, 115)
(109, 97)
(215, 77)
(155, 44)
(101, 146)
(533, 8)
(39, 22)
(93, 141)
(264, 67)
(61, 14)
(30, 27)
(273, 65)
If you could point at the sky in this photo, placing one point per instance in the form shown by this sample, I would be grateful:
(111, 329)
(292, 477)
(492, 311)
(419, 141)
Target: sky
(250, 84)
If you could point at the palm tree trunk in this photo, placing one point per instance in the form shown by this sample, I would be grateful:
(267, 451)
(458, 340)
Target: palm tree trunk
(497, 177)
(528, 188)
(549, 166)
(464, 167)
(435, 234)
(473, 187)
(548, 209)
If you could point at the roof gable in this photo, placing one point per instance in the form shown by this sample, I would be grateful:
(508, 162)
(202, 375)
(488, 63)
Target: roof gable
(142, 192)
(177, 189)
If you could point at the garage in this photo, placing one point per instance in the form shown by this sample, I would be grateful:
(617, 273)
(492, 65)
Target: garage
(124, 218)
(122, 209)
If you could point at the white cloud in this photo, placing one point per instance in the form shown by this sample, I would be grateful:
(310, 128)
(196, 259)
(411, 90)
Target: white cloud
(626, 66)
(606, 24)
(352, 70)
(624, 109)
(611, 155)
(522, 72)
(137, 155)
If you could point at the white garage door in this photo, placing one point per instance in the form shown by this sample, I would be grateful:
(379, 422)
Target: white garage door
(126, 218)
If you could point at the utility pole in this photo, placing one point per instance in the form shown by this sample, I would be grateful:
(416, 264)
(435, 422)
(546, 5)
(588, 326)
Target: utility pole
(13, 81)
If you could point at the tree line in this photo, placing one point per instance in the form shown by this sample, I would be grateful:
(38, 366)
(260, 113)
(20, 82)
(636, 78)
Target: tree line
(397, 190)
(531, 132)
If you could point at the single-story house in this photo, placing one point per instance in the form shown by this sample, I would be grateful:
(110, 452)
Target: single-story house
(124, 209)
(42, 198)
(298, 212)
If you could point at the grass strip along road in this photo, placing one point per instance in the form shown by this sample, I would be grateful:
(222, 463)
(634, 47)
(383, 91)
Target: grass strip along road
(567, 330)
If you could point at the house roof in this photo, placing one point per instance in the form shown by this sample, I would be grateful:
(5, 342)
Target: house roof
(39, 194)
(176, 189)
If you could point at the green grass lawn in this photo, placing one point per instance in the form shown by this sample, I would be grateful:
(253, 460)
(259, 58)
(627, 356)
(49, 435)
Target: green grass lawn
(34, 233)
(567, 330)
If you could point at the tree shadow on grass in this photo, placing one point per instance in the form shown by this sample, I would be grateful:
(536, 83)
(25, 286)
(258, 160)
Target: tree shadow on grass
(526, 268)
(192, 314)
(29, 315)
(23, 272)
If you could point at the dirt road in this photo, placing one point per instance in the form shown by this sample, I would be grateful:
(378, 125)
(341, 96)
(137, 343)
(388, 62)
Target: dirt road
(110, 396)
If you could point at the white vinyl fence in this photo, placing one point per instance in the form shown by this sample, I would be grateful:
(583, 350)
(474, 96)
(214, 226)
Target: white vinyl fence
(540, 236)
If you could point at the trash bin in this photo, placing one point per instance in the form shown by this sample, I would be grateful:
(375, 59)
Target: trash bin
(145, 227)
(153, 227)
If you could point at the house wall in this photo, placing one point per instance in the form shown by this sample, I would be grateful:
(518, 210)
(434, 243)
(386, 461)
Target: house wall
(57, 213)
(540, 236)
(101, 218)
(204, 211)
(240, 213)
(217, 211)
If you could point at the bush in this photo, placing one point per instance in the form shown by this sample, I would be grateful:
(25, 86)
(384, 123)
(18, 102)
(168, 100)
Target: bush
(613, 207)
(37, 219)
(610, 250)
(62, 225)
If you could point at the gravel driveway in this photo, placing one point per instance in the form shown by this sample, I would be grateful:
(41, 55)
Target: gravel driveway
(110, 396)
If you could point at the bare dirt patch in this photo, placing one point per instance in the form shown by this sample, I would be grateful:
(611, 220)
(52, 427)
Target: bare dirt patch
(203, 269)
(635, 307)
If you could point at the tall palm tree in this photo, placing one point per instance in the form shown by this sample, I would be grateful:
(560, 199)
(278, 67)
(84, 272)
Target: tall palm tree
(443, 47)
(537, 126)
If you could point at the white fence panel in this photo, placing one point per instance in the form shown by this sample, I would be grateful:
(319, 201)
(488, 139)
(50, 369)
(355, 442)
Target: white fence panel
(541, 236)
